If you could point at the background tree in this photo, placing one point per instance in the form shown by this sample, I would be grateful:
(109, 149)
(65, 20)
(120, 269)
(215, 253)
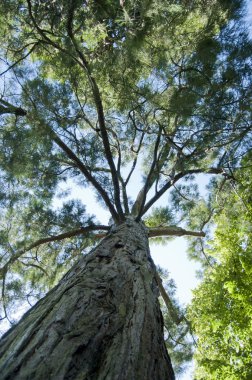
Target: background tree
(93, 92)
(221, 308)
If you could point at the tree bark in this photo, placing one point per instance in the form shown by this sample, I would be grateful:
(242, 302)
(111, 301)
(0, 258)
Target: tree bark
(102, 321)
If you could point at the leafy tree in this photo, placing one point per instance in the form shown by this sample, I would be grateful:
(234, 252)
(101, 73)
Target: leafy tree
(92, 93)
(221, 308)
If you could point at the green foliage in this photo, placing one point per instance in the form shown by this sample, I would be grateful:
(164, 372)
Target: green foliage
(221, 309)
(161, 86)
(160, 216)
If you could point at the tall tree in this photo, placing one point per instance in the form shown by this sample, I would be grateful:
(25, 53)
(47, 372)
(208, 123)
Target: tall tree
(93, 92)
(221, 307)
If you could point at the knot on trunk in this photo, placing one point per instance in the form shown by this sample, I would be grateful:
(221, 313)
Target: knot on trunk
(119, 244)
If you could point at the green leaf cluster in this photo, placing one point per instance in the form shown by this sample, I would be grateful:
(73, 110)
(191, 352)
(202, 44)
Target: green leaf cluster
(221, 310)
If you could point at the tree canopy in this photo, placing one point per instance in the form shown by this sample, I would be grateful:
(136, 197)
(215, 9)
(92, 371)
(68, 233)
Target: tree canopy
(99, 93)
(221, 308)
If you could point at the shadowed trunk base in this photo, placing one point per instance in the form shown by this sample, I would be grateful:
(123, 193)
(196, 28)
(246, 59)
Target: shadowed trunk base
(102, 321)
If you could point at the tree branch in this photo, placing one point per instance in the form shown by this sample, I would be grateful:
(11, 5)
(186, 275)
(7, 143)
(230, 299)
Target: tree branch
(168, 302)
(3, 300)
(20, 59)
(173, 231)
(136, 152)
(124, 195)
(65, 235)
(100, 113)
(141, 198)
(6, 107)
(35, 266)
(178, 177)
(96, 95)
(86, 173)
(157, 163)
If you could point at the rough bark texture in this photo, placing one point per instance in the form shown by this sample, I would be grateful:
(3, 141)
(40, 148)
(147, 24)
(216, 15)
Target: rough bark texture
(102, 321)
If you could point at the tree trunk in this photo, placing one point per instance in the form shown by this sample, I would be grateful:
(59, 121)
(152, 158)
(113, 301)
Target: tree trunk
(102, 321)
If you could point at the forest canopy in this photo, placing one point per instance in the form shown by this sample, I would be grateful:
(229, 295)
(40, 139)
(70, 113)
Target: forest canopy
(112, 96)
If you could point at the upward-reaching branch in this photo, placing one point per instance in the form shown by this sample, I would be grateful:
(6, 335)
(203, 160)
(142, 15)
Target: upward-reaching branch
(140, 201)
(81, 60)
(86, 173)
(100, 112)
(175, 179)
(134, 151)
